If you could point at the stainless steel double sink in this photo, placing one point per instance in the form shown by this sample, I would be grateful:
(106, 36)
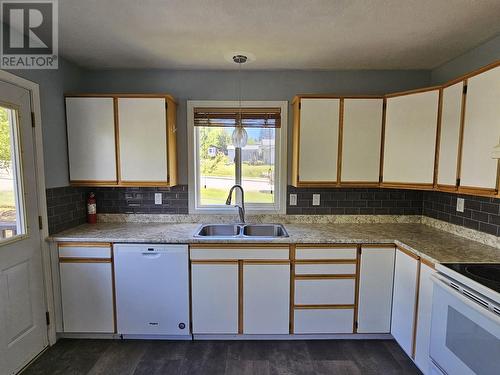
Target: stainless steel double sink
(241, 231)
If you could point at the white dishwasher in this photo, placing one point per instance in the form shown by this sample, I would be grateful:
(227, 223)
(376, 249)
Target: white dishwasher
(152, 289)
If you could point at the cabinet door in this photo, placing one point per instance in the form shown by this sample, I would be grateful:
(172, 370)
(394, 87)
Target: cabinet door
(481, 130)
(375, 289)
(404, 300)
(215, 298)
(410, 138)
(91, 139)
(450, 134)
(319, 133)
(87, 297)
(142, 139)
(424, 318)
(266, 298)
(362, 131)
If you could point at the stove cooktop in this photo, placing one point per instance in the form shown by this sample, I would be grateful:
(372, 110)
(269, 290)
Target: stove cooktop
(487, 274)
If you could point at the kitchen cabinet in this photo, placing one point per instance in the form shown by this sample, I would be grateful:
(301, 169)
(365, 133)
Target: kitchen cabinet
(156, 300)
(324, 282)
(481, 132)
(91, 140)
(361, 141)
(449, 143)
(404, 299)
(214, 298)
(266, 298)
(86, 288)
(242, 289)
(376, 278)
(318, 134)
(122, 140)
(424, 311)
(410, 139)
(142, 140)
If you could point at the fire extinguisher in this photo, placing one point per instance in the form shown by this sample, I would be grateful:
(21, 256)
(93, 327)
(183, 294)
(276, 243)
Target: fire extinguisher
(91, 209)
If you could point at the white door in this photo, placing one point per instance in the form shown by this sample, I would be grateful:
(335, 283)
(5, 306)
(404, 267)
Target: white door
(375, 289)
(404, 300)
(23, 331)
(319, 135)
(215, 298)
(266, 298)
(143, 139)
(424, 313)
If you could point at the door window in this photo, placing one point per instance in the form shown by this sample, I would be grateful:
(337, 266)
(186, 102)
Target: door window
(12, 220)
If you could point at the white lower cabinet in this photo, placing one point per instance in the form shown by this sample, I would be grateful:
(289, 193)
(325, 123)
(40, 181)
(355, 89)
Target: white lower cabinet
(324, 291)
(323, 320)
(266, 298)
(215, 298)
(375, 289)
(424, 312)
(404, 300)
(87, 297)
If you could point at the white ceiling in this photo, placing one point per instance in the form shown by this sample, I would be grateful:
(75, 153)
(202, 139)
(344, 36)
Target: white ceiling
(282, 34)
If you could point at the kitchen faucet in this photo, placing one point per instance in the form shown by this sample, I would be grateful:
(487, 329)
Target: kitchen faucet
(241, 209)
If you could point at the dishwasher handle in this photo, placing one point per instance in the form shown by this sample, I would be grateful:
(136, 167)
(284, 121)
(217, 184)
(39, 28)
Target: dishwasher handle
(151, 255)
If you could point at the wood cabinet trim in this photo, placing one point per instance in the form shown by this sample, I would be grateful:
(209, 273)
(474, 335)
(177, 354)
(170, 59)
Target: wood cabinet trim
(438, 137)
(214, 261)
(410, 92)
(84, 260)
(375, 245)
(118, 95)
(407, 185)
(229, 246)
(323, 307)
(428, 263)
(324, 276)
(408, 252)
(340, 140)
(461, 132)
(84, 244)
(324, 261)
(415, 313)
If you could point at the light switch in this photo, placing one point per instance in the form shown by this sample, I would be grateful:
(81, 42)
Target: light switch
(293, 199)
(158, 198)
(316, 199)
(460, 204)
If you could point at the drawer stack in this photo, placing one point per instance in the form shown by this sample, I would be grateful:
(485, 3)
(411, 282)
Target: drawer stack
(324, 279)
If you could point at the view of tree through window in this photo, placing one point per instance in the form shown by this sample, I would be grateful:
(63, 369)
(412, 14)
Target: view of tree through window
(8, 214)
(218, 169)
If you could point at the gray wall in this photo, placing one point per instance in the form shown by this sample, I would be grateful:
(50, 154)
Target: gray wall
(476, 58)
(256, 85)
(53, 85)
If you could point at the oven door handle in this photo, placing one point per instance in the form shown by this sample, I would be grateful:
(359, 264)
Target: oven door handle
(466, 300)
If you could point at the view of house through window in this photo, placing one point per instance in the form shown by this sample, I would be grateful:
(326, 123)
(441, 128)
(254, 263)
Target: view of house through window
(217, 168)
(11, 209)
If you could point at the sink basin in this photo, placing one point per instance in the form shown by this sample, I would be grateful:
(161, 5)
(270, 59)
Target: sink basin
(264, 230)
(219, 230)
(241, 231)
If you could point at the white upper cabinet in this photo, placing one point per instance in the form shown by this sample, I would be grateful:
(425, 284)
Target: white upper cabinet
(450, 134)
(410, 138)
(91, 139)
(481, 130)
(362, 131)
(318, 145)
(142, 139)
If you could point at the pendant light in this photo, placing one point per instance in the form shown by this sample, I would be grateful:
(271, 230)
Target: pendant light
(240, 136)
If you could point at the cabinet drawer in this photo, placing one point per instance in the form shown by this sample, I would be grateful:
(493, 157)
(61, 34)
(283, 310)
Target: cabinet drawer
(323, 321)
(85, 250)
(325, 269)
(347, 252)
(236, 253)
(324, 292)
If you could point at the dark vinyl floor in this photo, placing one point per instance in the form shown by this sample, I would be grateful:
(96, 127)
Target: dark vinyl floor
(141, 357)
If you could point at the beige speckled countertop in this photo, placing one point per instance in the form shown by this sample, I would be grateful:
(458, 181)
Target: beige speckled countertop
(433, 244)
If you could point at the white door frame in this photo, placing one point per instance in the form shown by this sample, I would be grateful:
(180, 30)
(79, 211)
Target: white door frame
(34, 90)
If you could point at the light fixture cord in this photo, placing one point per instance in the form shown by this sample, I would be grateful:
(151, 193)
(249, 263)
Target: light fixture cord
(239, 89)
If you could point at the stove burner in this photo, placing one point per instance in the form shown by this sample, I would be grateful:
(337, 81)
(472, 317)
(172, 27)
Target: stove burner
(487, 274)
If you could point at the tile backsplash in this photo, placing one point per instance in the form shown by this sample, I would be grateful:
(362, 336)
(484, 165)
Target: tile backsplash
(354, 201)
(480, 213)
(66, 205)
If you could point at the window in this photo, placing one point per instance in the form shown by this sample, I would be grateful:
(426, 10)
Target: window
(217, 165)
(12, 221)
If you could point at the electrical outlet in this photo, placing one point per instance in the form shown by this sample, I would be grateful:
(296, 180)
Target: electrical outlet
(316, 199)
(158, 198)
(293, 199)
(460, 204)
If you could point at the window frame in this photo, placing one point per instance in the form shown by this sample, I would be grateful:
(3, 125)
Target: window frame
(281, 160)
